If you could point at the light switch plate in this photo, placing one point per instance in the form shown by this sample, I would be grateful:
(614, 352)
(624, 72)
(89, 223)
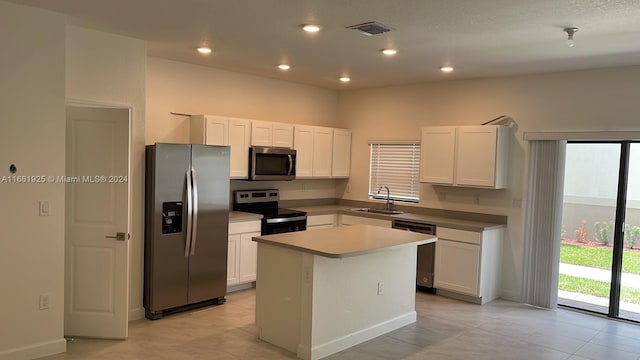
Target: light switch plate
(44, 208)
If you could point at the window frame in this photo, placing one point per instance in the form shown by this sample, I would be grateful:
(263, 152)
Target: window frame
(407, 194)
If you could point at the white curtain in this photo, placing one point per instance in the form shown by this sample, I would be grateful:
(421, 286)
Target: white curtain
(543, 223)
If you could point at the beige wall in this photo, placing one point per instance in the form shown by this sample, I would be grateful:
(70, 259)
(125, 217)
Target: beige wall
(32, 137)
(106, 69)
(192, 89)
(595, 100)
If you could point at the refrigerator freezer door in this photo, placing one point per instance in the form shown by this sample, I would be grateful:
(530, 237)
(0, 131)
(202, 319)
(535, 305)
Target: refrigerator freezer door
(208, 262)
(166, 267)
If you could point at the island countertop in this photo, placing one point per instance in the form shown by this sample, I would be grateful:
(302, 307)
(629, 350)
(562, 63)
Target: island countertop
(345, 241)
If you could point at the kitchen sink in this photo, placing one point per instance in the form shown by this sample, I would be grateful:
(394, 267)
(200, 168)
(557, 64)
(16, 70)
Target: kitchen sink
(379, 211)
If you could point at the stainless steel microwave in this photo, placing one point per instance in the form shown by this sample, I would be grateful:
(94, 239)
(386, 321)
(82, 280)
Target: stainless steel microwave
(272, 163)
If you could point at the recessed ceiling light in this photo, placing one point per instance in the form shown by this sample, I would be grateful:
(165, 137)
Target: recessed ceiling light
(284, 67)
(345, 79)
(446, 69)
(310, 28)
(389, 51)
(204, 50)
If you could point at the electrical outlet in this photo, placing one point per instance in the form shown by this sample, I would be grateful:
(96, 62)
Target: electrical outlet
(43, 302)
(348, 188)
(380, 288)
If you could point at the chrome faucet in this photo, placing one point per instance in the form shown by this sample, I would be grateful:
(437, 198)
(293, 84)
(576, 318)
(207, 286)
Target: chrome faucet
(389, 205)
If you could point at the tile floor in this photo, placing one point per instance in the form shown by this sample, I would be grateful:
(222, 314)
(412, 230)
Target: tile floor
(446, 329)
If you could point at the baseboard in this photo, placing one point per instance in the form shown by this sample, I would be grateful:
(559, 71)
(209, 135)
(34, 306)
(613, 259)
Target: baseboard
(358, 337)
(136, 314)
(35, 351)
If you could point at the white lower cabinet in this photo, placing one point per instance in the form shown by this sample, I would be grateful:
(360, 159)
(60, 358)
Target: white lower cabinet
(463, 275)
(242, 252)
(350, 220)
(468, 263)
(315, 222)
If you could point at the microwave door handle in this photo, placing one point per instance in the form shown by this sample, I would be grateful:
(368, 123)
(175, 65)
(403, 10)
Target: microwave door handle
(290, 165)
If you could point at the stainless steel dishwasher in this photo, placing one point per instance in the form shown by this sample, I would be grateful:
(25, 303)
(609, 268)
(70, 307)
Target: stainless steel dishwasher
(426, 252)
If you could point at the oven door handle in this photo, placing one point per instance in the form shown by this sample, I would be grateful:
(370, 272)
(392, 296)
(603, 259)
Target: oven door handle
(285, 220)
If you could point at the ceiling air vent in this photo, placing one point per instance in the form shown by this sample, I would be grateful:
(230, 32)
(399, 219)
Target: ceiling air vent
(371, 28)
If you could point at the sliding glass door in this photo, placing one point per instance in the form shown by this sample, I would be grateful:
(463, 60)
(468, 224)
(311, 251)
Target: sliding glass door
(601, 229)
(630, 263)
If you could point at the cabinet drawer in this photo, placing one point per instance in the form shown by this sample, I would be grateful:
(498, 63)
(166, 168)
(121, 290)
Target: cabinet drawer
(244, 227)
(464, 236)
(316, 220)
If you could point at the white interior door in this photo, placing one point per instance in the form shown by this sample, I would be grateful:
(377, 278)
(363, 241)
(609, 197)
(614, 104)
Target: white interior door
(97, 209)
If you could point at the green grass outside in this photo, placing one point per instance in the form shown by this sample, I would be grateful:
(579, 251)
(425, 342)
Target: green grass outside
(598, 257)
(596, 288)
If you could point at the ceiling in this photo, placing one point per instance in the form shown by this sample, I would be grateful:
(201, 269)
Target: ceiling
(480, 38)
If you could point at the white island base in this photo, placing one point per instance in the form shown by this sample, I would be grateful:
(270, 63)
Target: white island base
(316, 305)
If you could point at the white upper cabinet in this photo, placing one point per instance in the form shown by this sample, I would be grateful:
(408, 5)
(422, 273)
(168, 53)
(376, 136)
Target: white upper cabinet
(283, 135)
(239, 138)
(437, 154)
(303, 143)
(341, 164)
(322, 151)
(314, 151)
(265, 133)
(471, 156)
(261, 133)
(217, 130)
(482, 156)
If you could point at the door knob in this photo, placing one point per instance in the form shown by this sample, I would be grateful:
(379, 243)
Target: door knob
(119, 236)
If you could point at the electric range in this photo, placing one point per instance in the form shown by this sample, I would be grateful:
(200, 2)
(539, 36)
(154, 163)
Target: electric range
(275, 220)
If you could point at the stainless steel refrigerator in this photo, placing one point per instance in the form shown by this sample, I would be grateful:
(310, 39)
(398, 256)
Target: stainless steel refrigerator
(186, 227)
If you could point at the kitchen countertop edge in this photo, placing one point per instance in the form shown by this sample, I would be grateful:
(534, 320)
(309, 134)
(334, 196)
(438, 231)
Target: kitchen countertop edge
(238, 216)
(452, 223)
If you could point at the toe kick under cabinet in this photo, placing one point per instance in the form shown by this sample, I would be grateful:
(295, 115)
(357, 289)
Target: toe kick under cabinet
(468, 264)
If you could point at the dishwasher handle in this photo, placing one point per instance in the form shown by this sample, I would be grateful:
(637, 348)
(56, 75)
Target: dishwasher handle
(414, 226)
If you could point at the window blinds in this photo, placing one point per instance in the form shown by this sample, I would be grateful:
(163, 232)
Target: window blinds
(396, 166)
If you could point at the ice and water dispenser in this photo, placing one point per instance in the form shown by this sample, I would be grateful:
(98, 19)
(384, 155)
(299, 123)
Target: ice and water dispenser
(171, 217)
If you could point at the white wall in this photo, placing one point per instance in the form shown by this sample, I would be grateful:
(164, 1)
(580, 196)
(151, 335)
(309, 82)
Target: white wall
(192, 89)
(595, 100)
(32, 137)
(110, 69)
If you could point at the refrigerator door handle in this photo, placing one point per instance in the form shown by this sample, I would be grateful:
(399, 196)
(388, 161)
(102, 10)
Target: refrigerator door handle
(187, 240)
(194, 230)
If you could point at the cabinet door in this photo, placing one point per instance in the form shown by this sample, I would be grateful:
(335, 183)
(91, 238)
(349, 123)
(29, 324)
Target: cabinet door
(209, 130)
(437, 154)
(303, 143)
(341, 164)
(239, 137)
(261, 133)
(248, 257)
(216, 131)
(233, 251)
(476, 150)
(457, 267)
(283, 135)
(322, 151)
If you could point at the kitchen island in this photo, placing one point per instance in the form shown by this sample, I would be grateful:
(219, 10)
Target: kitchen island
(319, 292)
